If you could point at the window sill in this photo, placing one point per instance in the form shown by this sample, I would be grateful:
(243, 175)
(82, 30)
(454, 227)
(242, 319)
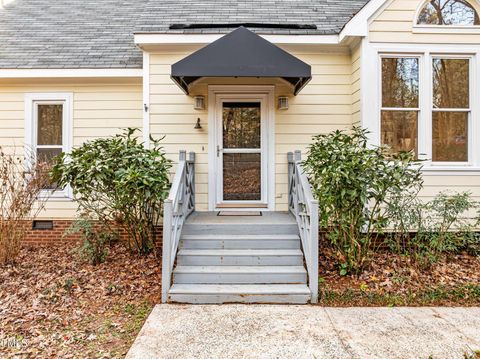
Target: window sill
(57, 196)
(452, 170)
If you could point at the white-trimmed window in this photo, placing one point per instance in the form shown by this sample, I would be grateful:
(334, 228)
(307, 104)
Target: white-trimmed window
(48, 127)
(426, 106)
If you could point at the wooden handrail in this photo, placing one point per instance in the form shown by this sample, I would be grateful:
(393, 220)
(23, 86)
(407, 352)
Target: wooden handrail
(304, 207)
(178, 206)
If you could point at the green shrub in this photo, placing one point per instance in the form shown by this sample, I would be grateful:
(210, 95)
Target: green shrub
(352, 182)
(118, 181)
(404, 214)
(472, 243)
(96, 239)
(425, 231)
(445, 222)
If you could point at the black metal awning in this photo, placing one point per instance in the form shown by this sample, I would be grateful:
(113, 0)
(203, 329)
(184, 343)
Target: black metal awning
(241, 53)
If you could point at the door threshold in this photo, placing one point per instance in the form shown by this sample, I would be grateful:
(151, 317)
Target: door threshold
(241, 206)
(239, 214)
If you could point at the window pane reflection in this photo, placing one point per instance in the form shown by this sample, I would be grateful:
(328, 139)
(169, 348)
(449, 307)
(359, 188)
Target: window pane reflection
(451, 83)
(242, 177)
(400, 82)
(399, 130)
(49, 125)
(241, 125)
(448, 12)
(450, 136)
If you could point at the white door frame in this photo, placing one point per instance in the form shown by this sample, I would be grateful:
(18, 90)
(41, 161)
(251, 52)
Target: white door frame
(265, 94)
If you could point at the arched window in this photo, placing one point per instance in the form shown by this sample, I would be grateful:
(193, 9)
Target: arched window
(448, 12)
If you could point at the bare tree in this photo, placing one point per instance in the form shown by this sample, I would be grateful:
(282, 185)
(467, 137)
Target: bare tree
(21, 182)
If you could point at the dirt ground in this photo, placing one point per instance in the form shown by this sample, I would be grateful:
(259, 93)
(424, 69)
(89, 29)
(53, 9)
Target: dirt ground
(54, 304)
(394, 280)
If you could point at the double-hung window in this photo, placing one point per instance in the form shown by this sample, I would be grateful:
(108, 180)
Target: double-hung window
(48, 123)
(426, 107)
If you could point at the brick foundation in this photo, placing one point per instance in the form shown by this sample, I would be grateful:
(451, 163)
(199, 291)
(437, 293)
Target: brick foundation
(56, 234)
(42, 236)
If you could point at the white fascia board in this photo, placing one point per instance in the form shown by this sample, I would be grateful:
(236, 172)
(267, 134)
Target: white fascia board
(69, 73)
(358, 25)
(200, 39)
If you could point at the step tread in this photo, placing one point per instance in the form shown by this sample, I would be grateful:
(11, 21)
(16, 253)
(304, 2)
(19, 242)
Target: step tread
(299, 289)
(240, 269)
(240, 252)
(217, 237)
(209, 218)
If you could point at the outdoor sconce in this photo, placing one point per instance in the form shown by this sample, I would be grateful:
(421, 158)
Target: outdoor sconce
(199, 103)
(198, 126)
(283, 103)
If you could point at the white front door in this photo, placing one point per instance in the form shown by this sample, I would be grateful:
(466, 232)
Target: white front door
(241, 151)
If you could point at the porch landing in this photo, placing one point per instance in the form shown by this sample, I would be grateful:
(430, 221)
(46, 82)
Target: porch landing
(265, 218)
(279, 331)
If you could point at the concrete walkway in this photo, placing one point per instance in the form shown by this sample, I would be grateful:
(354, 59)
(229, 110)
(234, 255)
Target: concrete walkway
(275, 331)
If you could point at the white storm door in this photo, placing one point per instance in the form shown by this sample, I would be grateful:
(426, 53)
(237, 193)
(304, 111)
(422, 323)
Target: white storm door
(241, 151)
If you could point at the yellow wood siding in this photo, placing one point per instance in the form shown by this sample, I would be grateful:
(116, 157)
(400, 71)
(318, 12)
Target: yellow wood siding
(395, 24)
(330, 101)
(450, 183)
(356, 85)
(99, 109)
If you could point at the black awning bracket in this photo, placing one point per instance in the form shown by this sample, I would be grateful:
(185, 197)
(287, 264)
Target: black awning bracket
(241, 53)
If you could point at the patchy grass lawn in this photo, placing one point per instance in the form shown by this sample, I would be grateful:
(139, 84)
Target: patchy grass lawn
(393, 280)
(53, 304)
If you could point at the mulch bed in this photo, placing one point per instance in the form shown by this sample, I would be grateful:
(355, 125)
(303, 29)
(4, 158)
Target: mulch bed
(53, 304)
(394, 280)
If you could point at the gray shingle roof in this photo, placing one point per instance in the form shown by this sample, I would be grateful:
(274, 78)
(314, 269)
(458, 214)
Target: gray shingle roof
(99, 33)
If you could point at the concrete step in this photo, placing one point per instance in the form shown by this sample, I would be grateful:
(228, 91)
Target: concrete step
(240, 274)
(240, 241)
(237, 257)
(239, 293)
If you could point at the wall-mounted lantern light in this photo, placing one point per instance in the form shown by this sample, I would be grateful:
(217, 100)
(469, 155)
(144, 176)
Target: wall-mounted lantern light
(283, 103)
(198, 126)
(199, 103)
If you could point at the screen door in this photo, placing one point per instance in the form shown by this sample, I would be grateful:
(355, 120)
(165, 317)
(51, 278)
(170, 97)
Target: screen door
(240, 153)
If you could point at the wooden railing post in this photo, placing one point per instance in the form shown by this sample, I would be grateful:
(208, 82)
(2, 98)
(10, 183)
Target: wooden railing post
(291, 165)
(298, 156)
(192, 164)
(176, 209)
(305, 209)
(182, 156)
(166, 248)
(314, 252)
